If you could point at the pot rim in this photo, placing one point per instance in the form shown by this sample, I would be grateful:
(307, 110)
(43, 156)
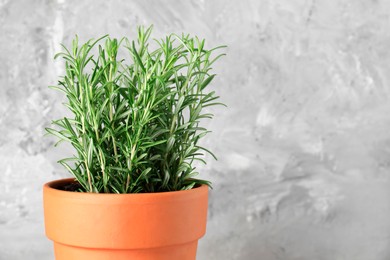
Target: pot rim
(50, 187)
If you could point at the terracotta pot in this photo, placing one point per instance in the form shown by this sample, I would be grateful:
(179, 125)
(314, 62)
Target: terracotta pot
(149, 226)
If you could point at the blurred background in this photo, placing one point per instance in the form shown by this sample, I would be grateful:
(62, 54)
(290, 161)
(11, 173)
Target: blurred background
(303, 147)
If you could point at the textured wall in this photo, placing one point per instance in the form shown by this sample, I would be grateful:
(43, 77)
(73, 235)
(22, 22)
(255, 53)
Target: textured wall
(304, 147)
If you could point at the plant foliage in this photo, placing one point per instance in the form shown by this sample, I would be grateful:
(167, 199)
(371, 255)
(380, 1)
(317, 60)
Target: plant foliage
(136, 126)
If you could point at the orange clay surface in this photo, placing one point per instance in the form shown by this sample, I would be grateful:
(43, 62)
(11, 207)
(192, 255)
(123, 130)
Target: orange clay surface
(149, 226)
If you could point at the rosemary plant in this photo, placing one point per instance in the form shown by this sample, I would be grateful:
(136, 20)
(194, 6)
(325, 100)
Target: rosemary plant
(136, 126)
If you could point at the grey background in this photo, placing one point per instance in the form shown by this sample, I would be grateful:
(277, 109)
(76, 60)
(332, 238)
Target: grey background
(304, 146)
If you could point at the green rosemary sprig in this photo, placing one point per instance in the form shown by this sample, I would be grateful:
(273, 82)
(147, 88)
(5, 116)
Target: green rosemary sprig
(136, 126)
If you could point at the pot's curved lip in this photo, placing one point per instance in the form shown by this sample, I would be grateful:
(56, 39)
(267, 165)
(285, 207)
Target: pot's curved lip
(50, 188)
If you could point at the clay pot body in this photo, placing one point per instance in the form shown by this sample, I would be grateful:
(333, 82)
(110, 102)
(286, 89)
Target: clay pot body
(148, 226)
